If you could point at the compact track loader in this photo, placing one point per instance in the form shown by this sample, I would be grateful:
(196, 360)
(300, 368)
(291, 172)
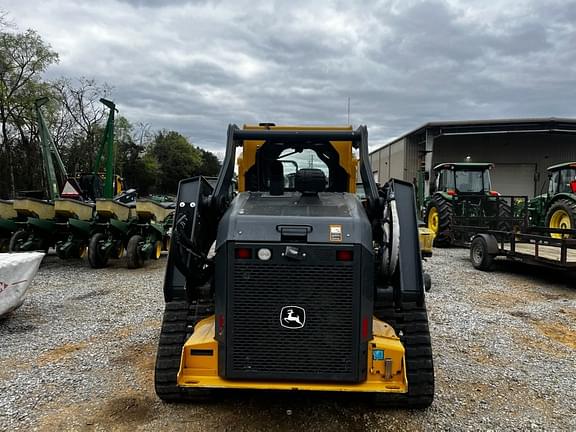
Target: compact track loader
(294, 282)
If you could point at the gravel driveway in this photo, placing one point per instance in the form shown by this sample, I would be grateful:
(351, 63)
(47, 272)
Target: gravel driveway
(79, 355)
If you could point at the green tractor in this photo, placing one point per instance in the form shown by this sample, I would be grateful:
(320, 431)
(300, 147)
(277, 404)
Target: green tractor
(467, 185)
(556, 209)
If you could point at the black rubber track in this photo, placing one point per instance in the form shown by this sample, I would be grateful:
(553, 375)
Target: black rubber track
(445, 211)
(177, 325)
(411, 325)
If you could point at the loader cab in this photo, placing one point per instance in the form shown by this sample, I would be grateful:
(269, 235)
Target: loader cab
(273, 166)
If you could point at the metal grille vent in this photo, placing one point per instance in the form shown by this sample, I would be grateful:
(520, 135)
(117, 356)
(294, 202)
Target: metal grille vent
(322, 349)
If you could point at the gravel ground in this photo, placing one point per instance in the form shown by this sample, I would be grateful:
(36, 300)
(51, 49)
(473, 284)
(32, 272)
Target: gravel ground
(79, 355)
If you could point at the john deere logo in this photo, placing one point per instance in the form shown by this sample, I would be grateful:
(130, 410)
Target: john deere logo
(292, 317)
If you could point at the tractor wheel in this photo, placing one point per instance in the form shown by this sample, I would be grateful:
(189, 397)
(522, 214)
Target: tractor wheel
(96, 257)
(562, 215)
(16, 241)
(479, 255)
(439, 220)
(133, 255)
(411, 325)
(504, 212)
(177, 325)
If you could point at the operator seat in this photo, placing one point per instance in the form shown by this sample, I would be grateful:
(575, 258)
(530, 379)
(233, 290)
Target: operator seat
(310, 181)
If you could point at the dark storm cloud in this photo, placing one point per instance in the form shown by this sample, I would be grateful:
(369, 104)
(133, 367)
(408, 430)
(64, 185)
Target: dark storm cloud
(197, 66)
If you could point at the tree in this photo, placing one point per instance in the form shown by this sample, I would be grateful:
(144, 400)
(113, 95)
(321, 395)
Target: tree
(177, 159)
(210, 164)
(23, 58)
(138, 169)
(80, 120)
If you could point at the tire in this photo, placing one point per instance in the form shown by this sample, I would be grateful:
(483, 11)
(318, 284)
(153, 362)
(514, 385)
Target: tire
(504, 211)
(479, 256)
(133, 256)
(96, 258)
(562, 214)
(16, 241)
(411, 325)
(177, 325)
(442, 229)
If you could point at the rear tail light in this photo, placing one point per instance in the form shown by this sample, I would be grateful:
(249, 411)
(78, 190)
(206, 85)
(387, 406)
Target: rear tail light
(365, 328)
(344, 255)
(243, 253)
(573, 186)
(451, 192)
(494, 193)
(220, 324)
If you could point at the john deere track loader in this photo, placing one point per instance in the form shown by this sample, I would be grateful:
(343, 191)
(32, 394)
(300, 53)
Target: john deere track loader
(295, 283)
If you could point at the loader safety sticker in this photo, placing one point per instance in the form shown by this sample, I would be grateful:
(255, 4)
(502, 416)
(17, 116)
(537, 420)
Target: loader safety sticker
(335, 233)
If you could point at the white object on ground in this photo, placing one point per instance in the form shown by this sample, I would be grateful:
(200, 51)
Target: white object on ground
(16, 273)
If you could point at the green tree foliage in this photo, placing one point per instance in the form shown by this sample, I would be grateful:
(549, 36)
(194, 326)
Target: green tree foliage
(177, 159)
(210, 164)
(24, 56)
(139, 169)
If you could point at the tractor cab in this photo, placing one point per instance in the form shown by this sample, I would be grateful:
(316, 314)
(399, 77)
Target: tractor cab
(460, 193)
(562, 179)
(468, 178)
(556, 209)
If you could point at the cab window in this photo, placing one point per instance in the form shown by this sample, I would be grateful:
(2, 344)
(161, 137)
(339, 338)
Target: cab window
(566, 176)
(553, 183)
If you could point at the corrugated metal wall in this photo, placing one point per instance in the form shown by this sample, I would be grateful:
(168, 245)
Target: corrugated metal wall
(390, 161)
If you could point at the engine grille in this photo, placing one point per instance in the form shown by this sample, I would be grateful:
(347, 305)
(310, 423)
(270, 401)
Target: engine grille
(324, 349)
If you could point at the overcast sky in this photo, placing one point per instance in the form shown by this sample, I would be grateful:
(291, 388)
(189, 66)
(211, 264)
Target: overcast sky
(197, 66)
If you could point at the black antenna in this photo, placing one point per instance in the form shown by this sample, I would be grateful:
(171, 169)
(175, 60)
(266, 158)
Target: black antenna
(348, 110)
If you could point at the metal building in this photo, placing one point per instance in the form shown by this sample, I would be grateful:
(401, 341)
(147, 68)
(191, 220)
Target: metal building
(521, 150)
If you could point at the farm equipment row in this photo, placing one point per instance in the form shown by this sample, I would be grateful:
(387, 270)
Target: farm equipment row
(90, 215)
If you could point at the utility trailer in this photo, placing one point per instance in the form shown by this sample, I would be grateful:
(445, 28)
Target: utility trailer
(536, 246)
(492, 235)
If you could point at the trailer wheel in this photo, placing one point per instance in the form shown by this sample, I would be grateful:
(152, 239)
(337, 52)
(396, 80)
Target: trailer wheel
(411, 325)
(16, 241)
(439, 220)
(479, 255)
(177, 325)
(96, 257)
(133, 255)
